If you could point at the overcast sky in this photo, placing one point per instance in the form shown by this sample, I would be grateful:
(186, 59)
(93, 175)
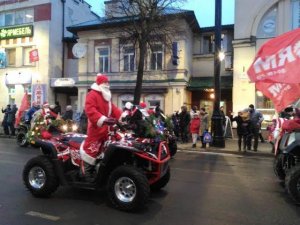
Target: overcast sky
(204, 10)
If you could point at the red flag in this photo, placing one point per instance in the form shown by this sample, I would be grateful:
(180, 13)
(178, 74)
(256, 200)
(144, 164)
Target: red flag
(281, 94)
(278, 60)
(34, 55)
(24, 105)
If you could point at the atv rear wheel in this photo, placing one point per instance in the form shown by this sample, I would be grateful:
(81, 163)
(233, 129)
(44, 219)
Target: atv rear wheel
(162, 181)
(22, 139)
(39, 176)
(278, 166)
(292, 183)
(128, 188)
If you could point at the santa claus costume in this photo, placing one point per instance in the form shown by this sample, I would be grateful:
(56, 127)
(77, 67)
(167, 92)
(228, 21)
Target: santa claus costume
(99, 109)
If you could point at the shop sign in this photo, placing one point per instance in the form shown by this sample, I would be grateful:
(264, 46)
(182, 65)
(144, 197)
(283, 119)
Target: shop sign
(63, 82)
(39, 94)
(14, 78)
(16, 32)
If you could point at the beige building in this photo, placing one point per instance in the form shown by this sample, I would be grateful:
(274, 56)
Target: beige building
(165, 82)
(264, 20)
(34, 50)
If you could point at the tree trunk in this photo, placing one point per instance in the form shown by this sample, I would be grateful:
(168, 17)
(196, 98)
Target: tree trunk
(140, 73)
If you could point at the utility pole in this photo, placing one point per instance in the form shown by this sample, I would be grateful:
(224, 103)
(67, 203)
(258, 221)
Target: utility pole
(217, 118)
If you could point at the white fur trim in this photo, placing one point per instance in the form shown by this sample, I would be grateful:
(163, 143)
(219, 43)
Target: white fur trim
(95, 87)
(101, 120)
(85, 157)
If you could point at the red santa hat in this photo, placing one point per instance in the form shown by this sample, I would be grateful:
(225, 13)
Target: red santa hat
(101, 79)
(46, 104)
(143, 105)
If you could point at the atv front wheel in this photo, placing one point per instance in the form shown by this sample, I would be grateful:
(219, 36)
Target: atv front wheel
(128, 188)
(278, 166)
(292, 183)
(39, 176)
(22, 139)
(162, 181)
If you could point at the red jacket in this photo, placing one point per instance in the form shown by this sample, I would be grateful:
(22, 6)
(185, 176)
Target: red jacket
(195, 125)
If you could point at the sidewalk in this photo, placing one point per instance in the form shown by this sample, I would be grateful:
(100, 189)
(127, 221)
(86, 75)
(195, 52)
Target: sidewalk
(231, 147)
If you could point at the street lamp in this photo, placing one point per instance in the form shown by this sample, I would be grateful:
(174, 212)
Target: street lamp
(217, 117)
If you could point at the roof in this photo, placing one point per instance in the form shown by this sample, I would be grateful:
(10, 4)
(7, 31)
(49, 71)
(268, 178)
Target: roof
(200, 83)
(105, 22)
(212, 29)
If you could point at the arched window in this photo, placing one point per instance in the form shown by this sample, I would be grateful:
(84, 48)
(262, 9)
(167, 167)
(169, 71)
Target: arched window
(268, 25)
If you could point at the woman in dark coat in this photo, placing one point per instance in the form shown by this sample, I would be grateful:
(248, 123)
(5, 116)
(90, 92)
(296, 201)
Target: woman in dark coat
(243, 128)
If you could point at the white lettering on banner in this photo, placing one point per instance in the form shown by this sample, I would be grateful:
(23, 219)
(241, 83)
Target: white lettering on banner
(283, 56)
(278, 88)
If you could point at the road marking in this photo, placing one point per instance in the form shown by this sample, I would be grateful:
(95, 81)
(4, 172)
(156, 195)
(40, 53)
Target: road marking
(43, 215)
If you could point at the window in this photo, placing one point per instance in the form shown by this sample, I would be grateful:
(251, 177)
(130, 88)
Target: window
(26, 58)
(16, 17)
(267, 26)
(157, 57)
(295, 8)
(208, 44)
(9, 19)
(102, 59)
(11, 57)
(11, 94)
(129, 56)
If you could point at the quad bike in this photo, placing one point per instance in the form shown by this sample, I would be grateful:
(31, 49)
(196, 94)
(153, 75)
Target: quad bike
(23, 138)
(22, 134)
(287, 163)
(128, 167)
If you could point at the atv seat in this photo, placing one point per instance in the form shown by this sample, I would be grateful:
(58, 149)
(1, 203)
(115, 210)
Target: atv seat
(76, 141)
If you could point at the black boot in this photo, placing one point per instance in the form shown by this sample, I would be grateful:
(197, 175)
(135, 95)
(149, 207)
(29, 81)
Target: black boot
(88, 172)
(194, 146)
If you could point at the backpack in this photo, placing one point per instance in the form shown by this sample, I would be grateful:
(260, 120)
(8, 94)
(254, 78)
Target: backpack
(207, 138)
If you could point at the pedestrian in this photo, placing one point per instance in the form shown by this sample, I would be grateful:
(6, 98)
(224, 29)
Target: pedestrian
(175, 121)
(223, 118)
(256, 119)
(194, 125)
(243, 128)
(68, 115)
(203, 125)
(83, 122)
(184, 120)
(4, 121)
(11, 119)
(57, 108)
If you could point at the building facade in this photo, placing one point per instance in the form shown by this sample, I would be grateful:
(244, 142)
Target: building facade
(171, 84)
(265, 19)
(34, 49)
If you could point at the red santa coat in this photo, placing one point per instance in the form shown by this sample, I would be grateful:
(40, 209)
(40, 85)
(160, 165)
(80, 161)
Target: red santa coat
(97, 110)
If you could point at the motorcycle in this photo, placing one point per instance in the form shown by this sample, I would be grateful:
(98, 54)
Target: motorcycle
(287, 163)
(128, 167)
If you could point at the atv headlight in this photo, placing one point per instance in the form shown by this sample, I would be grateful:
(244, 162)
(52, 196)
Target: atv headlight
(74, 127)
(65, 127)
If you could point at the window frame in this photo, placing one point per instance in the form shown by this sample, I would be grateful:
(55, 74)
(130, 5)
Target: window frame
(131, 63)
(98, 56)
(156, 53)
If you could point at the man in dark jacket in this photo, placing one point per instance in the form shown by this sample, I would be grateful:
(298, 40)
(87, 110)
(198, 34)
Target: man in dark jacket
(68, 114)
(184, 120)
(256, 119)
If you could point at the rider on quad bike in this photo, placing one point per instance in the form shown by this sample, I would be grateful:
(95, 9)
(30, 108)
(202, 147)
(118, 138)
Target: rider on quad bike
(100, 112)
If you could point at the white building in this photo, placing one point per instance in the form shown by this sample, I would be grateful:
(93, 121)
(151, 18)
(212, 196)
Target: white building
(254, 25)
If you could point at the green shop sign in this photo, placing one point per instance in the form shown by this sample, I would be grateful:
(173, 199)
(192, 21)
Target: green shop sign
(16, 32)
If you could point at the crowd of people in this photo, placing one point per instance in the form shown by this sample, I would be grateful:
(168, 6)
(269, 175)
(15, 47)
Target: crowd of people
(48, 111)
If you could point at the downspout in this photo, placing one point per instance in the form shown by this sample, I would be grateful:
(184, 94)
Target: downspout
(62, 39)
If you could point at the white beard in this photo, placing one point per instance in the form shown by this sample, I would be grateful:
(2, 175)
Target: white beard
(106, 93)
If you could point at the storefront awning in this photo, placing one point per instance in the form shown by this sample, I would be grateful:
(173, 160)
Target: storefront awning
(202, 83)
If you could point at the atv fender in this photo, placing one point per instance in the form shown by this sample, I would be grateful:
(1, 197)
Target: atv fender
(49, 150)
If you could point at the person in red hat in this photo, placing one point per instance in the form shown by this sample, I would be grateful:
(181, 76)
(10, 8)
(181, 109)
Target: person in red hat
(100, 113)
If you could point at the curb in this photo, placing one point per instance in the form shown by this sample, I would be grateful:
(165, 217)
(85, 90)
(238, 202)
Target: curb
(218, 151)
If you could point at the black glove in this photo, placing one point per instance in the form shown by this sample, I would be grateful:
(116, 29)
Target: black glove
(109, 121)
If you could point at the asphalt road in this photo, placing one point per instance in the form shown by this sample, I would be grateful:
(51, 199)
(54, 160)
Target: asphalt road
(206, 189)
